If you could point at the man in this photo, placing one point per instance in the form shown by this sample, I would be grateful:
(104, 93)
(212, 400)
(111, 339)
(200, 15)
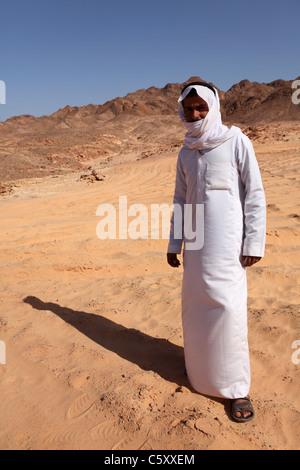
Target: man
(217, 168)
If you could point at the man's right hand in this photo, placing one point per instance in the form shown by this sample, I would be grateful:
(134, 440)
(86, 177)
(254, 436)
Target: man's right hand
(173, 260)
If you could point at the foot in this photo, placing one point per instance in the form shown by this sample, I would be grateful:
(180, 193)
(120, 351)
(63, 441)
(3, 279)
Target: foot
(242, 410)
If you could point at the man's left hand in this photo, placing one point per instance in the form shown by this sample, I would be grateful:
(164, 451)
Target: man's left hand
(249, 260)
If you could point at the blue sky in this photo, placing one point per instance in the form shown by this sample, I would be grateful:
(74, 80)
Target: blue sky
(55, 53)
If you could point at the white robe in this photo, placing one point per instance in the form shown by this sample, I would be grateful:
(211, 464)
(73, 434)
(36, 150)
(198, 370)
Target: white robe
(227, 181)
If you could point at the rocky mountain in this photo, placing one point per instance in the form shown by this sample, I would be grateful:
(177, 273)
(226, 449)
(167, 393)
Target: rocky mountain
(140, 124)
(245, 103)
(259, 103)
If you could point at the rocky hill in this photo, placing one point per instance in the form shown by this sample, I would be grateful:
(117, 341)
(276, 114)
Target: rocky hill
(246, 102)
(142, 122)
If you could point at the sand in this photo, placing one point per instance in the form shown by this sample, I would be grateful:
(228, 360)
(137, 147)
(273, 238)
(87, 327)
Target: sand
(92, 328)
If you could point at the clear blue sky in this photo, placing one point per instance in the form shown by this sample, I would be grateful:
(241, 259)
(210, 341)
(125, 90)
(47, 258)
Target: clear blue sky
(55, 53)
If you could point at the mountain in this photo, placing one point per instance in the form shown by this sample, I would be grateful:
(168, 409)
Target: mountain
(140, 124)
(245, 103)
(259, 103)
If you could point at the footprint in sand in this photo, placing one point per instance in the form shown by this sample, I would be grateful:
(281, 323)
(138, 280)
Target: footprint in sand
(106, 431)
(113, 438)
(80, 407)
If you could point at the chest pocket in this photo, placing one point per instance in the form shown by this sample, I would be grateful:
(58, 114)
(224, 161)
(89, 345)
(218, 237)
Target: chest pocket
(219, 175)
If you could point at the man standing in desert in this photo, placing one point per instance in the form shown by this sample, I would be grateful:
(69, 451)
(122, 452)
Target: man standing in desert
(217, 168)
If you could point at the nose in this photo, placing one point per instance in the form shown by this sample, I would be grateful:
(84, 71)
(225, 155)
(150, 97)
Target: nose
(195, 115)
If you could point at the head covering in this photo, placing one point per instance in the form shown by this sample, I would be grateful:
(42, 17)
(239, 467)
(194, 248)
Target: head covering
(209, 132)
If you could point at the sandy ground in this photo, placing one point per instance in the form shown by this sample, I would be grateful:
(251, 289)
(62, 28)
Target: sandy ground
(92, 329)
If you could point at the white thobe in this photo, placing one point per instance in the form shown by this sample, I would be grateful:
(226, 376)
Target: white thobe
(227, 182)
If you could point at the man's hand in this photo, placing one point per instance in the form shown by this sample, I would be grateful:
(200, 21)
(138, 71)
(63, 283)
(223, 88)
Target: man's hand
(249, 260)
(173, 260)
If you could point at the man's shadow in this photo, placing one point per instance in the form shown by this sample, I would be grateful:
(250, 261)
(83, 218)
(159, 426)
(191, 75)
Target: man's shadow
(149, 353)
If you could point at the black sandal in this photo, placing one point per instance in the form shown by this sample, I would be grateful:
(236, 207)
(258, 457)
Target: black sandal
(240, 407)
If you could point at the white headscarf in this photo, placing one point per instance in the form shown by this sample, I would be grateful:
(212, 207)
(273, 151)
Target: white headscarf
(209, 132)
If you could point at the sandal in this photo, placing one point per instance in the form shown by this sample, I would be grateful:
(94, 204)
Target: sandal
(240, 407)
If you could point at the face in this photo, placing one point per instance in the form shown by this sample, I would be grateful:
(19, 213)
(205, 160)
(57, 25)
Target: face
(195, 108)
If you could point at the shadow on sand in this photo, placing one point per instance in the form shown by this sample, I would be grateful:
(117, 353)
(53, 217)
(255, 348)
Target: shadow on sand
(149, 353)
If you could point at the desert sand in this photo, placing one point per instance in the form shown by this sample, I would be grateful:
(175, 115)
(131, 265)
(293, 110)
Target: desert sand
(92, 328)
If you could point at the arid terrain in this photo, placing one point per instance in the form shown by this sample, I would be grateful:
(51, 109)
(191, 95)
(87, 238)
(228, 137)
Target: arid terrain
(92, 328)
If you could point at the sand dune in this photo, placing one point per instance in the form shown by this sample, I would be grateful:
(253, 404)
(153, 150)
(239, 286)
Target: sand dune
(93, 330)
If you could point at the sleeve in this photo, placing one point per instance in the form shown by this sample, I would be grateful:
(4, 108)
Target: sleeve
(254, 200)
(179, 200)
